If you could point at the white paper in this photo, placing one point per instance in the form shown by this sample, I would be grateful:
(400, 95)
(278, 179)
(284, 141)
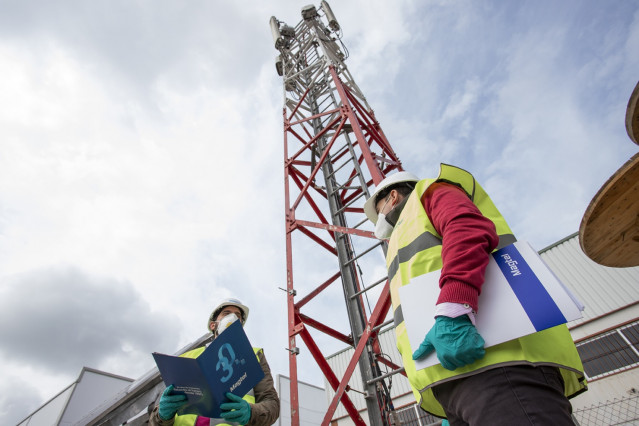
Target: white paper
(501, 317)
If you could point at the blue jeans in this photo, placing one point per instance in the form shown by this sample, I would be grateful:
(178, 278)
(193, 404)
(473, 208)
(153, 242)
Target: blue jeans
(513, 395)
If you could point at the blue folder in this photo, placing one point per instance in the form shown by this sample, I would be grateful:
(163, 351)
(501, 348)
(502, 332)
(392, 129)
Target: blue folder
(228, 364)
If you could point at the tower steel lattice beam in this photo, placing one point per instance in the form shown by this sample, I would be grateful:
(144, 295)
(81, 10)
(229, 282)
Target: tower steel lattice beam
(334, 152)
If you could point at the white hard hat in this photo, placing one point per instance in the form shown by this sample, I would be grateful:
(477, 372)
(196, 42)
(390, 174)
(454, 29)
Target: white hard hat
(395, 178)
(229, 302)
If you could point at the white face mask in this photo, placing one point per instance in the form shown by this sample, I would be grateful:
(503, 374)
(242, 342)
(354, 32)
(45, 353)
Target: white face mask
(225, 322)
(383, 229)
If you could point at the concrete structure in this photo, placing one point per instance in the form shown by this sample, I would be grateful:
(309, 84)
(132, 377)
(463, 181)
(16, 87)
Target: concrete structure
(91, 389)
(607, 336)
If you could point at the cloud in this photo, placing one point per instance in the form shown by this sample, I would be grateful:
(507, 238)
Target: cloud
(22, 399)
(546, 115)
(380, 42)
(529, 98)
(62, 318)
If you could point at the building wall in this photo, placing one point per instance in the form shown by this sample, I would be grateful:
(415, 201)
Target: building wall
(612, 358)
(312, 402)
(614, 387)
(602, 289)
(611, 297)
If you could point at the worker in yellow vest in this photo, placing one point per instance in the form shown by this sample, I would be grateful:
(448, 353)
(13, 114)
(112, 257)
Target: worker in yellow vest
(260, 407)
(450, 223)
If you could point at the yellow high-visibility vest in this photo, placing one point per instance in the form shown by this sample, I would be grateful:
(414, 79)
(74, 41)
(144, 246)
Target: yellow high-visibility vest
(415, 248)
(190, 419)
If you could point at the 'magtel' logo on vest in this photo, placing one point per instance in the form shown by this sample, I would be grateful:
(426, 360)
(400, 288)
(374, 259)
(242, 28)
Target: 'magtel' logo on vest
(512, 264)
(540, 307)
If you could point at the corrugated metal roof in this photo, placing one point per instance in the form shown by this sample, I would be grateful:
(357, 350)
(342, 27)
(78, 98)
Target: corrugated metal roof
(600, 288)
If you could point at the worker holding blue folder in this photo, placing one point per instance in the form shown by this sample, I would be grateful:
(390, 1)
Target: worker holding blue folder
(260, 407)
(450, 224)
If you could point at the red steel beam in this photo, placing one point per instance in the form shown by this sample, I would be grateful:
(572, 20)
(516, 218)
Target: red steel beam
(319, 164)
(340, 229)
(357, 129)
(308, 197)
(332, 379)
(317, 291)
(379, 313)
(317, 239)
(390, 364)
(326, 329)
(290, 292)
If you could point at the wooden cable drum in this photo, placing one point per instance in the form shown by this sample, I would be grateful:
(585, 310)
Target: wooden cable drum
(609, 230)
(632, 116)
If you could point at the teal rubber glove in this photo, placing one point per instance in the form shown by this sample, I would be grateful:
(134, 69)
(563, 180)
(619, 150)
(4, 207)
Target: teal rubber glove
(170, 403)
(238, 411)
(445, 423)
(455, 340)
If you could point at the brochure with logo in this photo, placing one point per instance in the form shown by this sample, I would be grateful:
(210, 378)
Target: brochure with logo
(228, 364)
(520, 296)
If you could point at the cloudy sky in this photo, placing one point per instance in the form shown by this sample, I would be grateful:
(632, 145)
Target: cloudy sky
(141, 161)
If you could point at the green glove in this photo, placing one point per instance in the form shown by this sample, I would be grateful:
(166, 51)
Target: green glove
(170, 403)
(238, 411)
(455, 340)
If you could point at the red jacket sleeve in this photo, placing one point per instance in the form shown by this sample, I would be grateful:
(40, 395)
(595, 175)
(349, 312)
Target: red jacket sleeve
(468, 237)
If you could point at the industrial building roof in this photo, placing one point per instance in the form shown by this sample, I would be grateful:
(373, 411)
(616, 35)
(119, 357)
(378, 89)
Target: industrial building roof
(600, 288)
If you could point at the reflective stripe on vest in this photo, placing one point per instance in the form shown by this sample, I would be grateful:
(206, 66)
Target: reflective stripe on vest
(415, 249)
(190, 419)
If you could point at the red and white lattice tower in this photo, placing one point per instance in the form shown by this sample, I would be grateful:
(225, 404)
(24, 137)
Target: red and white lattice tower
(334, 152)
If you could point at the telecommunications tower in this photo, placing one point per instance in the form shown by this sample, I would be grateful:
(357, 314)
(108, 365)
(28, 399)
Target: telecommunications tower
(334, 152)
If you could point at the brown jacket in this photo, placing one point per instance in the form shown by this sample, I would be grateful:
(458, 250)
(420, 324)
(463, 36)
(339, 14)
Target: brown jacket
(267, 403)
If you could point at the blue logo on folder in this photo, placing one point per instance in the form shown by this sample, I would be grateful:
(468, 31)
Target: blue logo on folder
(533, 296)
(228, 364)
(224, 362)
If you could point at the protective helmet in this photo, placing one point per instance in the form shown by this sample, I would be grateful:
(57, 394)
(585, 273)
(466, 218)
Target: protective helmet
(394, 179)
(229, 302)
